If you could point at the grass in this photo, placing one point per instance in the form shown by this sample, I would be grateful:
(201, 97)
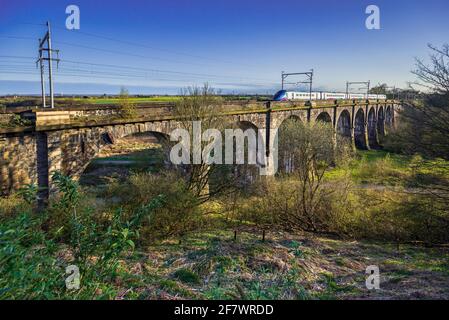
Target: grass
(210, 264)
(32, 101)
(213, 266)
(383, 168)
(187, 276)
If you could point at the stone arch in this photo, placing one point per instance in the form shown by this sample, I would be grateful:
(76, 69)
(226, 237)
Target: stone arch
(372, 130)
(294, 117)
(389, 117)
(291, 117)
(344, 125)
(279, 117)
(381, 122)
(79, 148)
(286, 159)
(256, 120)
(246, 173)
(245, 125)
(359, 130)
(324, 117)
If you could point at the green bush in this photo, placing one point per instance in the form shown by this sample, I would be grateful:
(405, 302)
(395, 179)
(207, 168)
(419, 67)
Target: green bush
(29, 268)
(398, 217)
(187, 276)
(179, 214)
(13, 205)
(33, 261)
(128, 108)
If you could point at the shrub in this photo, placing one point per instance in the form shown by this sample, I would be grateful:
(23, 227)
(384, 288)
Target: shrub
(180, 212)
(187, 276)
(380, 171)
(28, 265)
(128, 109)
(311, 152)
(32, 265)
(400, 217)
(13, 205)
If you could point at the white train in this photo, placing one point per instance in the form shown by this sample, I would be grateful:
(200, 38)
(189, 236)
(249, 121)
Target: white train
(285, 95)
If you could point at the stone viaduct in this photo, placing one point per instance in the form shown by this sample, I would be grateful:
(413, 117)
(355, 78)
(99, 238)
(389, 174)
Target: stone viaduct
(68, 139)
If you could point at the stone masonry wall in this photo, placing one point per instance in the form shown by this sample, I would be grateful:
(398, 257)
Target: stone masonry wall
(18, 161)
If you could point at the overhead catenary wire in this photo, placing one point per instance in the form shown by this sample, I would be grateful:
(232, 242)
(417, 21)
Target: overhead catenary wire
(123, 53)
(141, 45)
(7, 67)
(94, 73)
(131, 43)
(116, 52)
(111, 71)
(150, 69)
(97, 75)
(121, 77)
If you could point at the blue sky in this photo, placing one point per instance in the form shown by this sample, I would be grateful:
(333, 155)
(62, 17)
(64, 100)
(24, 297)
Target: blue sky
(236, 46)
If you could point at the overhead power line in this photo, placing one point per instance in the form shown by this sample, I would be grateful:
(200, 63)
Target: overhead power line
(109, 51)
(126, 53)
(134, 55)
(17, 57)
(110, 71)
(148, 69)
(135, 44)
(141, 45)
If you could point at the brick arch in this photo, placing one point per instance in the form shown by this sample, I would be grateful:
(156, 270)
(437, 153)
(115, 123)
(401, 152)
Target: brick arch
(278, 118)
(344, 124)
(359, 129)
(286, 159)
(291, 117)
(389, 116)
(324, 117)
(288, 117)
(244, 124)
(79, 148)
(381, 121)
(246, 174)
(372, 127)
(256, 120)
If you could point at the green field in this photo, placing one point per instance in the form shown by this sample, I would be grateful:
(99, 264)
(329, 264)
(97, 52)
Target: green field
(90, 100)
(101, 101)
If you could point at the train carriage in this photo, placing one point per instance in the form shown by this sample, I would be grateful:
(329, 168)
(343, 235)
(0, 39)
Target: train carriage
(285, 95)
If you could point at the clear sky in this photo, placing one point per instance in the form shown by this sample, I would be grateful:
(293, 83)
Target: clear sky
(160, 46)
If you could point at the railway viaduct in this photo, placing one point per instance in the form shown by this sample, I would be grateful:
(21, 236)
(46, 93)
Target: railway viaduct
(68, 139)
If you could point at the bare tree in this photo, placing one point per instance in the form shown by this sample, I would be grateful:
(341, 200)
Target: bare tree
(204, 105)
(311, 152)
(379, 89)
(434, 76)
(424, 126)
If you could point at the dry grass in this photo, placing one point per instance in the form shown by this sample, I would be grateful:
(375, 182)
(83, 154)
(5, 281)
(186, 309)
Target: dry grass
(286, 266)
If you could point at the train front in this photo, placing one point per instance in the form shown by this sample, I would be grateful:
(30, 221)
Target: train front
(281, 96)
